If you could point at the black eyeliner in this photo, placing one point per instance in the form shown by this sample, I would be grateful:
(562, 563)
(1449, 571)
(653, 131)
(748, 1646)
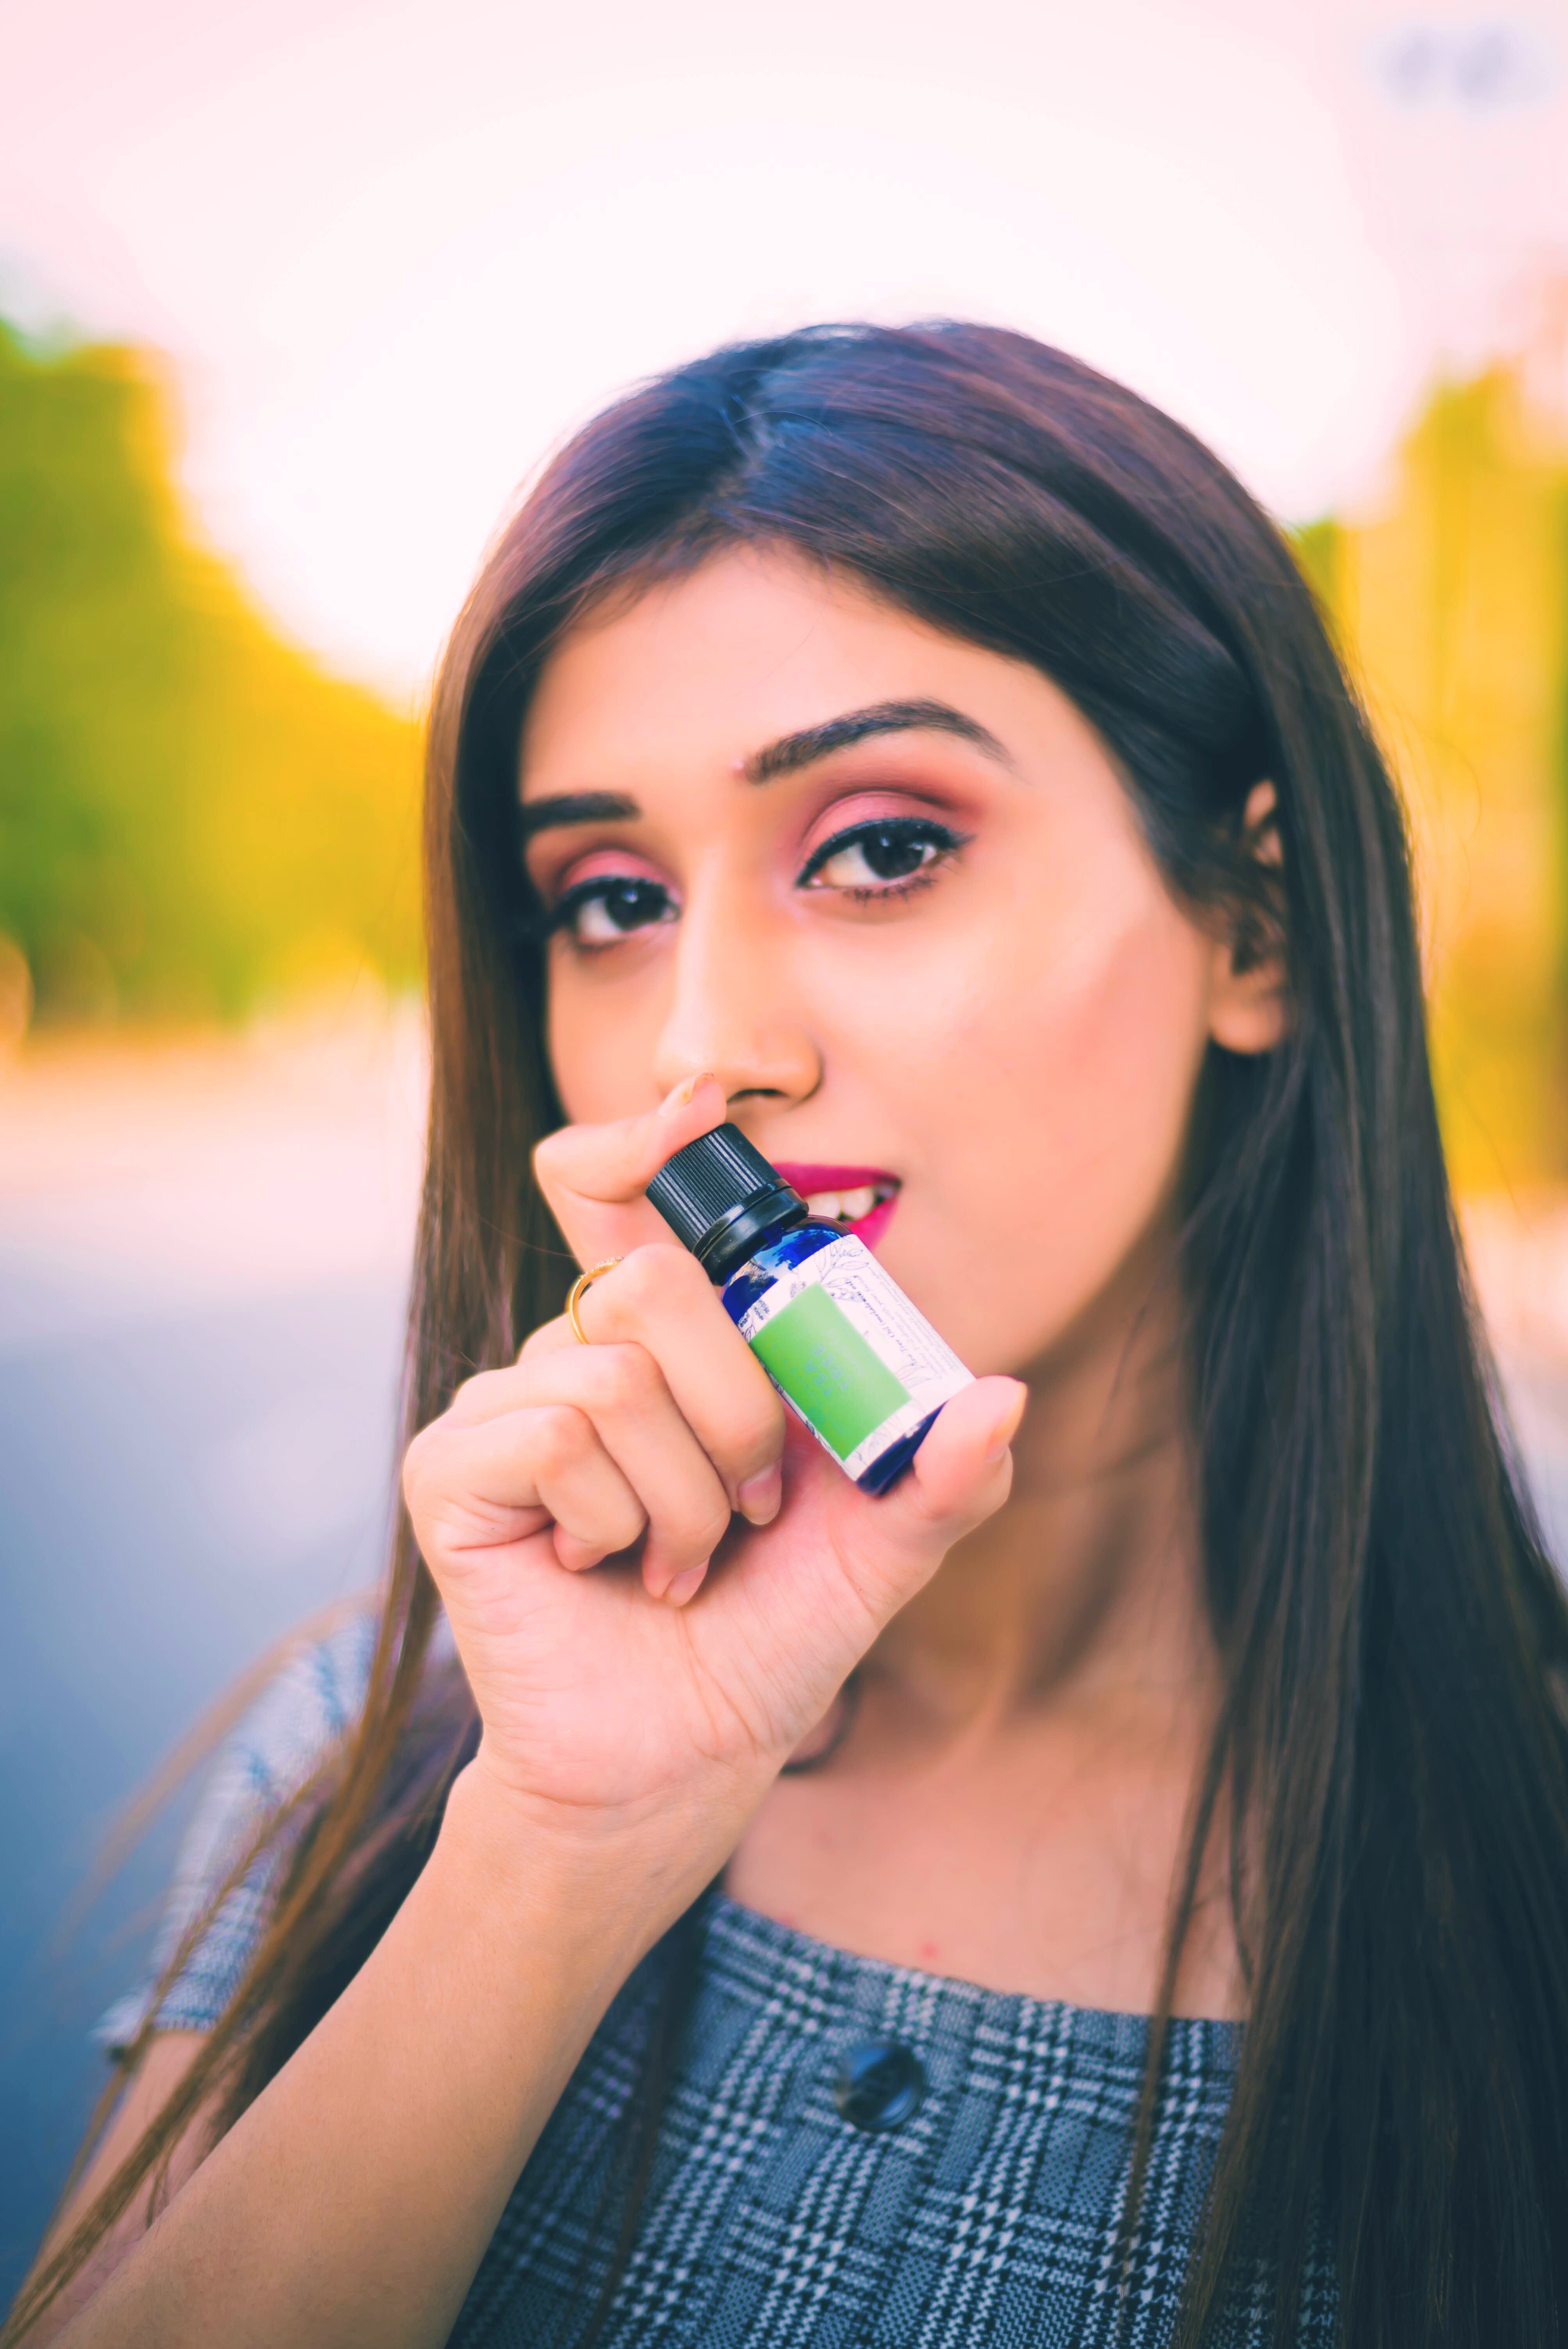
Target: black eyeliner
(904, 827)
(584, 893)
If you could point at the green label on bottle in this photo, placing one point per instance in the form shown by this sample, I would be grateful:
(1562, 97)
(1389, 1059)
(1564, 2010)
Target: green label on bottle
(827, 1370)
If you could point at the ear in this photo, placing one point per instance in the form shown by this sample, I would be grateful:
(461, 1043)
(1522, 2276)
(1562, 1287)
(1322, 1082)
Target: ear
(1248, 1009)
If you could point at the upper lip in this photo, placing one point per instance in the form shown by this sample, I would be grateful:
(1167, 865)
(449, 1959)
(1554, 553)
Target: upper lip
(806, 1178)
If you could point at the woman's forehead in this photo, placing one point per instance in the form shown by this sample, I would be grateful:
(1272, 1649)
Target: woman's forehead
(730, 666)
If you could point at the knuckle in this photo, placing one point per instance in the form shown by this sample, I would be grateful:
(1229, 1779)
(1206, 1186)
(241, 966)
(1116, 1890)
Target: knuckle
(747, 1428)
(690, 1521)
(658, 1276)
(709, 1531)
(484, 1396)
(624, 1377)
(540, 1341)
(704, 1526)
(425, 1450)
(547, 1153)
(468, 1401)
(414, 1460)
(623, 1522)
(558, 1436)
(759, 1424)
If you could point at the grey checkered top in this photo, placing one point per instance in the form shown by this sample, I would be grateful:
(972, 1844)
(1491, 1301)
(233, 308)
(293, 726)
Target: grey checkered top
(988, 2214)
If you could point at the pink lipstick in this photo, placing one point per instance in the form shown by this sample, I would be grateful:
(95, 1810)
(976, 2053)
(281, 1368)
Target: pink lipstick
(858, 1199)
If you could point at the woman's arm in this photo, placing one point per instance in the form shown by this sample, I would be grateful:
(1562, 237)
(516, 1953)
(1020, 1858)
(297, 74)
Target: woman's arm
(628, 1734)
(352, 2203)
(168, 2058)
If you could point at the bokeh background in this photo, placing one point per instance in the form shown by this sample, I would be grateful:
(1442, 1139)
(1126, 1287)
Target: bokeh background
(294, 294)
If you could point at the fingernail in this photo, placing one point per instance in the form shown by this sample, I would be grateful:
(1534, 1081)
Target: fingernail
(759, 1498)
(1007, 1425)
(684, 1586)
(686, 1091)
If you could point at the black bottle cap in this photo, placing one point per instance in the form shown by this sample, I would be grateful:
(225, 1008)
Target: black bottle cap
(721, 1196)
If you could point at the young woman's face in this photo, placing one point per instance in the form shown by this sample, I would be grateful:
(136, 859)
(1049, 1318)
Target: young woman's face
(892, 890)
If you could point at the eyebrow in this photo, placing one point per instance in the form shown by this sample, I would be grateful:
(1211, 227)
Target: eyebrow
(576, 807)
(786, 756)
(797, 750)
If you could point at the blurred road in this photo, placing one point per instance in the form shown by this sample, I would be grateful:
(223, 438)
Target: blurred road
(203, 1257)
(202, 1266)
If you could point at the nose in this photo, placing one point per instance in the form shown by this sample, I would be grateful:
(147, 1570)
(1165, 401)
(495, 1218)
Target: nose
(732, 1007)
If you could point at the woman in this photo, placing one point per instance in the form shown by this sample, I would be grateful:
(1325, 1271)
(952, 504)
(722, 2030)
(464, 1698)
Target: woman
(1115, 1887)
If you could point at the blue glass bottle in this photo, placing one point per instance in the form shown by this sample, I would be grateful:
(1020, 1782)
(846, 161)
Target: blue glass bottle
(849, 1354)
(752, 1284)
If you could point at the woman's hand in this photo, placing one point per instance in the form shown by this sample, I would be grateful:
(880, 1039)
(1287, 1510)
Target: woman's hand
(572, 1508)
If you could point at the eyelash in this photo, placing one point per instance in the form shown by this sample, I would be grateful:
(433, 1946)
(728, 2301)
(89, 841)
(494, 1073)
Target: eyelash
(911, 831)
(560, 916)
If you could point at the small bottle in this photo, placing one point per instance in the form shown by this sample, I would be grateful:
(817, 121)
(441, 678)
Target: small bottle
(841, 1341)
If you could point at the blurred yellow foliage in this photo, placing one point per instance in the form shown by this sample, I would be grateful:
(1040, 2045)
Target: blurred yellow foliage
(194, 817)
(1451, 606)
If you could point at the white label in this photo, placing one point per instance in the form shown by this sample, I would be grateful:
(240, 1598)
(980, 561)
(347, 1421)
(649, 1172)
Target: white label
(916, 1360)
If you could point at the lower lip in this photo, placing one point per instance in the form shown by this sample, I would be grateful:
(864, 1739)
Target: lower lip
(807, 1178)
(871, 1227)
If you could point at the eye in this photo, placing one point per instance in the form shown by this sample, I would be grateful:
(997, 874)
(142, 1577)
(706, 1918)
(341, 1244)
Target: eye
(871, 859)
(611, 907)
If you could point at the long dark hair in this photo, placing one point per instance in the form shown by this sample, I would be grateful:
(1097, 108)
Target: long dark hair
(1391, 1756)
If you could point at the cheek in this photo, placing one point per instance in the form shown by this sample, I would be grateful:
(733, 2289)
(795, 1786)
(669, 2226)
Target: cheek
(1063, 1082)
(1117, 1054)
(601, 1039)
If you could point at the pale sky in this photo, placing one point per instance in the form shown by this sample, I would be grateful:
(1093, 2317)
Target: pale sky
(394, 252)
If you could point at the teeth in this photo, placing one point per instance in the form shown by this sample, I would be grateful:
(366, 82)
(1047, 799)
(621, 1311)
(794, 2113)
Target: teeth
(842, 1207)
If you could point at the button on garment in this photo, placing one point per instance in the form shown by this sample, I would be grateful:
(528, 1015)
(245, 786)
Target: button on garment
(878, 2084)
(969, 2197)
(980, 2208)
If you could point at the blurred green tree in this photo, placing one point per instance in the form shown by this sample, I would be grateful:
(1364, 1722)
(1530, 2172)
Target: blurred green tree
(194, 816)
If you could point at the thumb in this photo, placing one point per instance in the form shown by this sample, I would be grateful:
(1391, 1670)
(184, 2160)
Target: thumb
(960, 1475)
(593, 1176)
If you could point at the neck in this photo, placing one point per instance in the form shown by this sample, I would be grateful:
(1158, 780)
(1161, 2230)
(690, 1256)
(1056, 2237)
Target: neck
(1084, 1593)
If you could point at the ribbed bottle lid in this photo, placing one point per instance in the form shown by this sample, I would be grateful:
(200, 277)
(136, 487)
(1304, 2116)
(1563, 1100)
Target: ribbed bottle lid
(707, 1180)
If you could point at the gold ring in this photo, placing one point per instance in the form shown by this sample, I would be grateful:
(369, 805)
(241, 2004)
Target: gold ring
(575, 1292)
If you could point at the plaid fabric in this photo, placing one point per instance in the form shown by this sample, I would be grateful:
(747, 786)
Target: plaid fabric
(292, 1725)
(991, 2215)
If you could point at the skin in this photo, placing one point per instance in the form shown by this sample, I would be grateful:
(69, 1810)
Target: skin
(657, 1585)
(1019, 1038)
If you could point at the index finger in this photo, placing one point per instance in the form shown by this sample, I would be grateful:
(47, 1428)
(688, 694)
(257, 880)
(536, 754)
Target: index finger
(593, 1176)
